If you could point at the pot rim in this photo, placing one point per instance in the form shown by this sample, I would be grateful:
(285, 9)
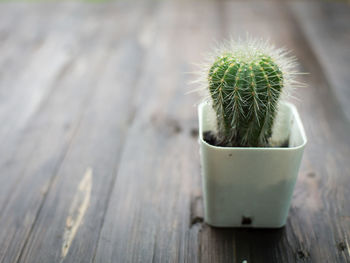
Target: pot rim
(296, 118)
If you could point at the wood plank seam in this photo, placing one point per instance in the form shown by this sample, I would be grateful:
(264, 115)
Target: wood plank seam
(86, 101)
(131, 115)
(51, 181)
(132, 112)
(41, 107)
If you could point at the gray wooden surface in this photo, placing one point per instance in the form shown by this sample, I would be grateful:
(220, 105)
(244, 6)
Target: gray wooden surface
(98, 141)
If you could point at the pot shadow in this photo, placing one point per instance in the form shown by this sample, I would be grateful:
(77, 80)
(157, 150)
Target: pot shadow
(252, 244)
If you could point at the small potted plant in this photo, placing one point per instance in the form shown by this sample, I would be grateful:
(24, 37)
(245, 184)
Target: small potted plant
(251, 140)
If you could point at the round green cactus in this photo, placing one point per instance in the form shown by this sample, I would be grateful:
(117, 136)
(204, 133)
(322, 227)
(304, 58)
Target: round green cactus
(245, 84)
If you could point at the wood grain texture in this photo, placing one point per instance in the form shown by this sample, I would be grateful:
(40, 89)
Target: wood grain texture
(99, 154)
(326, 26)
(158, 177)
(26, 90)
(45, 141)
(74, 224)
(24, 52)
(27, 166)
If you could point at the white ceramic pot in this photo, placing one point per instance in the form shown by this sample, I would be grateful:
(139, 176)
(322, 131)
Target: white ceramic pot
(250, 187)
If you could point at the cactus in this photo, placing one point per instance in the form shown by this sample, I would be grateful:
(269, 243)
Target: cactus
(245, 83)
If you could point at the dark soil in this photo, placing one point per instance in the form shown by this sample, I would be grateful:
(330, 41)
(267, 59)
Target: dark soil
(210, 138)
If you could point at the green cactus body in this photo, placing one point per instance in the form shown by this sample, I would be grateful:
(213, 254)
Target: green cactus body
(245, 92)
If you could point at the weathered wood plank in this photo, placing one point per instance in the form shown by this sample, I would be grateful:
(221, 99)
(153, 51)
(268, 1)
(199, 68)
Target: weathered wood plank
(25, 83)
(326, 25)
(68, 226)
(21, 33)
(152, 215)
(28, 174)
(25, 139)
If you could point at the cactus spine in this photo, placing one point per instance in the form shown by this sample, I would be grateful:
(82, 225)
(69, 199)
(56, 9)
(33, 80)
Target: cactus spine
(245, 85)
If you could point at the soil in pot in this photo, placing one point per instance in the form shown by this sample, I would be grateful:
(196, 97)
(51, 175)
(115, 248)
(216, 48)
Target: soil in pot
(210, 138)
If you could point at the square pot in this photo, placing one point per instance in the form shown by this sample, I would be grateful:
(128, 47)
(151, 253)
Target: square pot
(250, 186)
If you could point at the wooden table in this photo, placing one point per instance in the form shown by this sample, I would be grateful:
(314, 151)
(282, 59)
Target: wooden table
(99, 154)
